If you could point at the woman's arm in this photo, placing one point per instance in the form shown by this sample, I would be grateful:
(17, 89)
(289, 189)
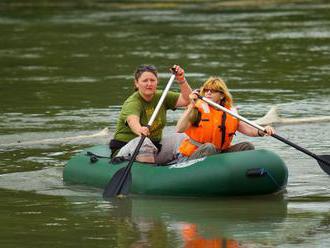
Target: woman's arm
(252, 131)
(133, 122)
(185, 89)
(185, 121)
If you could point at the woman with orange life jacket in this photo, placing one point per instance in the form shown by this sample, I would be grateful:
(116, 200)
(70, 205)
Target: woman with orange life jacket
(210, 130)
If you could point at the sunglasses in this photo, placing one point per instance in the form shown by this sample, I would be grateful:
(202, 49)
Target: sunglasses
(213, 91)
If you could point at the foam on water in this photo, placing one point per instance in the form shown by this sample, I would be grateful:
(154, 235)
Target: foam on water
(272, 117)
(46, 181)
(63, 140)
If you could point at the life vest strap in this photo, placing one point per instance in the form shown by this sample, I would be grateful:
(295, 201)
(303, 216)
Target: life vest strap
(194, 142)
(223, 129)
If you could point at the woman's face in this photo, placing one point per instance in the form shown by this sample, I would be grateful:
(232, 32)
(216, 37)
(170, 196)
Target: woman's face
(214, 95)
(147, 84)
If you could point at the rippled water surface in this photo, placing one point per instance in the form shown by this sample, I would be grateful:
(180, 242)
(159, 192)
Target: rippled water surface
(66, 68)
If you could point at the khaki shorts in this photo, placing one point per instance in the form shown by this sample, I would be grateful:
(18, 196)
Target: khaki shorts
(147, 148)
(168, 152)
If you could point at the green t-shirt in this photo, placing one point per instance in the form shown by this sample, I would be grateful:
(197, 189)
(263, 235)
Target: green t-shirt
(136, 105)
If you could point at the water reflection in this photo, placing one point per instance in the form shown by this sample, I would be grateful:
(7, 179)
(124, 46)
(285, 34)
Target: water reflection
(267, 221)
(194, 222)
(192, 238)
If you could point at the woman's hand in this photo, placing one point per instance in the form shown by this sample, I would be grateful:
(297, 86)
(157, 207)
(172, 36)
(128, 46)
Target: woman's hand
(144, 131)
(193, 97)
(179, 74)
(269, 131)
(133, 122)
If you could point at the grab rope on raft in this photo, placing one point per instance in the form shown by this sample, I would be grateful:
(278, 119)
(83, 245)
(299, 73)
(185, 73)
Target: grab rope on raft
(259, 172)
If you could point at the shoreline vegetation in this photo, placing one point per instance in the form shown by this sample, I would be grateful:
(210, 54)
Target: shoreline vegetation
(154, 4)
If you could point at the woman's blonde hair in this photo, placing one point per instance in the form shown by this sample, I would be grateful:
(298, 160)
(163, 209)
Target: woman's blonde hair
(216, 83)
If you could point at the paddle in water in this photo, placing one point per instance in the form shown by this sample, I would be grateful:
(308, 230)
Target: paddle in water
(323, 160)
(120, 183)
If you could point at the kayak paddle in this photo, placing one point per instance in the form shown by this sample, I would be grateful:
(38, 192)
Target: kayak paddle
(120, 182)
(323, 160)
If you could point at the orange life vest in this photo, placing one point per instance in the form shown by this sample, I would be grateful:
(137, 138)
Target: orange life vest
(215, 126)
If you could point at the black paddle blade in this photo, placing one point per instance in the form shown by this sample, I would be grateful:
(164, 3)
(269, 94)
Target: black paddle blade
(326, 164)
(115, 186)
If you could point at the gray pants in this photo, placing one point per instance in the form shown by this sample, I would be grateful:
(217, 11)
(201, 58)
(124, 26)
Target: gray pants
(209, 149)
(243, 146)
(168, 151)
(170, 146)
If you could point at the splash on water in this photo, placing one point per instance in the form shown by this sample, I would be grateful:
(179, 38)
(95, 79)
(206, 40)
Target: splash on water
(272, 117)
(103, 133)
(46, 181)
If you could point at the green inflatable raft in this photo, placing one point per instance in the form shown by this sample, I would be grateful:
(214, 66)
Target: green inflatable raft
(254, 172)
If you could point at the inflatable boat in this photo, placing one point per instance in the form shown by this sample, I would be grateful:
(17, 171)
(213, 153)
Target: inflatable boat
(255, 172)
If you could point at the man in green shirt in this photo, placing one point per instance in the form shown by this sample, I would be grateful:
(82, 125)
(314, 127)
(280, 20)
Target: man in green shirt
(136, 112)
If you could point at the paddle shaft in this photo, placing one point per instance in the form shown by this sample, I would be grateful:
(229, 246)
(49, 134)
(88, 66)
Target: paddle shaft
(136, 151)
(262, 129)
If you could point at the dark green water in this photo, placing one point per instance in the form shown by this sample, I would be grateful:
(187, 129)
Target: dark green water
(65, 69)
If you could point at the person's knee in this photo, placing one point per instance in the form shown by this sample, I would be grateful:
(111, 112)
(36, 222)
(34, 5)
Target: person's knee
(145, 158)
(209, 147)
(146, 153)
(206, 149)
(246, 146)
(243, 146)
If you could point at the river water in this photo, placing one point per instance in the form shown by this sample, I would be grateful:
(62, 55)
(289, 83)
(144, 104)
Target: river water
(66, 68)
